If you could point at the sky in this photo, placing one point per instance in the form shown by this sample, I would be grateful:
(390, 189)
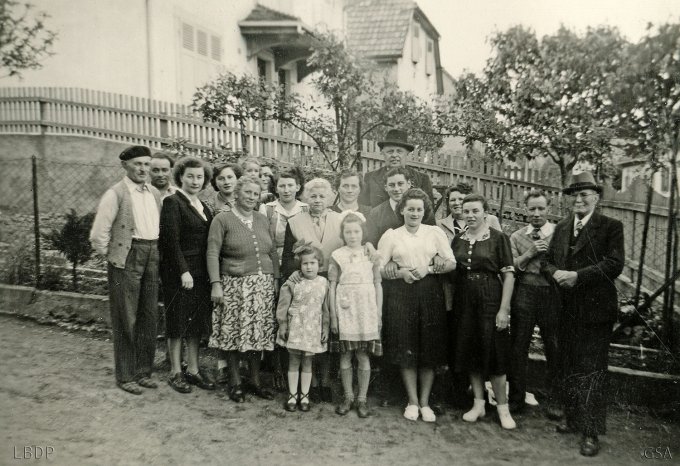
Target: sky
(464, 25)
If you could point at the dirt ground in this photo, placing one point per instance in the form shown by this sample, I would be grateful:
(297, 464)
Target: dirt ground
(57, 390)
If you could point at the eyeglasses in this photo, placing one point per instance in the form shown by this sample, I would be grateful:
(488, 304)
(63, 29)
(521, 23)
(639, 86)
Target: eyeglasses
(581, 195)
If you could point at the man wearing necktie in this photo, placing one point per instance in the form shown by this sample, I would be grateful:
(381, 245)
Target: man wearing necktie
(584, 258)
(535, 302)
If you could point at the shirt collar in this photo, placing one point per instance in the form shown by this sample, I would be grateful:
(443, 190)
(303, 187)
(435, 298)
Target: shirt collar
(278, 208)
(584, 220)
(393, 204)
(132, 186)
(545, 231)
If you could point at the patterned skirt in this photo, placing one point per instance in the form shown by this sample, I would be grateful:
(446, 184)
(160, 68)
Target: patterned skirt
(373, 347)
(245, 321)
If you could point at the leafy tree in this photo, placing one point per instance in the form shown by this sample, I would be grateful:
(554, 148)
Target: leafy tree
(550, 97)
(72, 241)
(352, 91)
(24, 38)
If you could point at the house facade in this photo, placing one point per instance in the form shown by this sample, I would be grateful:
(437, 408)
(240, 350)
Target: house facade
(165, 49)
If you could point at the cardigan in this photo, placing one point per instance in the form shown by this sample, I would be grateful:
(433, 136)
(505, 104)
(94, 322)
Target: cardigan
(236, 250)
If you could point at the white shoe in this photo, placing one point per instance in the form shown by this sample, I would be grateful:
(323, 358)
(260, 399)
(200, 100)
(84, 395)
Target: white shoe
(530, 399)
(507, 422)
(476, 412)
(411, 412)
(427, 414)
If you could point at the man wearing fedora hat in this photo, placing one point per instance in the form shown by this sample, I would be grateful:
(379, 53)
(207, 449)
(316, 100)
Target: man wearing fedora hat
(394, 148)
(125, 233)
(584, 258)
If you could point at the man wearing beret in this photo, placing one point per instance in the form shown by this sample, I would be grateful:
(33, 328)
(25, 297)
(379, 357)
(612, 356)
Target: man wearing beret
(394, 148)
(584, 258)
(125, 232)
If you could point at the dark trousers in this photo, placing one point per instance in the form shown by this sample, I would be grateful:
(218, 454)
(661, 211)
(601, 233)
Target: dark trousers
(133, 296)
(534, 305)
(585, 349)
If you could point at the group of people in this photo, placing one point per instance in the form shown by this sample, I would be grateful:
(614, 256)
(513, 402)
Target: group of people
(351, 271)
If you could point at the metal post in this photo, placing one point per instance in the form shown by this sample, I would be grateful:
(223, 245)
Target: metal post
(36, 218)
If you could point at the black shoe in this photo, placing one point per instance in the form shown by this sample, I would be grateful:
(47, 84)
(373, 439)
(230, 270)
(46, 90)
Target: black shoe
(236, 394)
(362, 410)
(590, 445)
(565, 429)
(553, 413)
(179, 384)
(201, 379)
(344, 407)
(146, 382)
(261, 392)
(303, 402)
(326, 394)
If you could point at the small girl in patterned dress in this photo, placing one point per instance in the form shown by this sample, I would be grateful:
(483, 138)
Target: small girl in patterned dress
(303, 319)
(356, 310)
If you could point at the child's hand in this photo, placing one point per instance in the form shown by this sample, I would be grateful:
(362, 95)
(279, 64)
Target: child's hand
(372, 253)
(334, 327)
(324, 335)
(420, 272)
(283, 332)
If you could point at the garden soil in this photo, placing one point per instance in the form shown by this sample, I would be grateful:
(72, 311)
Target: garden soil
(57, 390)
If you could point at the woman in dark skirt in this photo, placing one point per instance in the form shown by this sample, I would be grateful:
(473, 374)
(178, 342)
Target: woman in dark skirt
(415, 327)
(182, 243)
(483, 339)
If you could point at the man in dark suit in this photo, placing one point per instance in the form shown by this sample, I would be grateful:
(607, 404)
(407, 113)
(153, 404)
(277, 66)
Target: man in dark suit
(395, 148)
(584, 258)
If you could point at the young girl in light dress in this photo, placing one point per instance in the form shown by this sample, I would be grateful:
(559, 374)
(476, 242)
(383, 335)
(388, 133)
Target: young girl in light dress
(303, 318)
(356, 311)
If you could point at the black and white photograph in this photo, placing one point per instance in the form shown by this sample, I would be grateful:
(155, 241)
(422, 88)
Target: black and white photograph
(340, 232)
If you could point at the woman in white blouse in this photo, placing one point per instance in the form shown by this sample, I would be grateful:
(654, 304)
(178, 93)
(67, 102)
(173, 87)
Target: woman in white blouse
(415, 321)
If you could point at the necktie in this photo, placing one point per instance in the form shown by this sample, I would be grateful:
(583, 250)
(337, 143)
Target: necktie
(535, 234)
(578, 228)
(317, 227)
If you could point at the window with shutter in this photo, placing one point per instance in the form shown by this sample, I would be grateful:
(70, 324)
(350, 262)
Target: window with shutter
(429, 59)
(202, 43)
(187, 36)
(216, 48)
(415, 43)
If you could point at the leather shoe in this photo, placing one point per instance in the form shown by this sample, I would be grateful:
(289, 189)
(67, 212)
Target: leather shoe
(201, 379)
(179, 384)
(362, 410)
(303, 402)
(553, 413)
(261, 392)
(590, 445)
(565, 429)
(146, 382)
(236, 394)
(129, 387)
(344, 407)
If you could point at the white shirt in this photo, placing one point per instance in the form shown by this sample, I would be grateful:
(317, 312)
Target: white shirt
(144, 210)
(410, 250)
(583, 220)
(546, 230)
(195, 203)
(393, 204)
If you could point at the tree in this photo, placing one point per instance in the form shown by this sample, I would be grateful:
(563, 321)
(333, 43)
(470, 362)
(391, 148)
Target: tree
(550, 97)
(72, 241)
(24, 38)
(351, 92)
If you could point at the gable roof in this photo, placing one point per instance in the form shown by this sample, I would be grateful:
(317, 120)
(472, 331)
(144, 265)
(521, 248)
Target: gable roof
(262, 13)
(378, 28)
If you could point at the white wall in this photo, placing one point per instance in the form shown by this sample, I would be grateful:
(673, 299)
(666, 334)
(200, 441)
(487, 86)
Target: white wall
(412, 76)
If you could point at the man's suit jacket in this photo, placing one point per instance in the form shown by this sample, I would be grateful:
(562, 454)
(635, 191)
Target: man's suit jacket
(382, 218)
(373, 192)
(183, 239)
(597, 255)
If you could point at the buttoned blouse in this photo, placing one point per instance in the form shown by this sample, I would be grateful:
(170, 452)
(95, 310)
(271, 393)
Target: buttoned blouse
(144, 210)
(411, 250)
(490, 253)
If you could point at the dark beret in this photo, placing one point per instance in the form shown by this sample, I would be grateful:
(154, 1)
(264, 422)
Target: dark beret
(134, 152)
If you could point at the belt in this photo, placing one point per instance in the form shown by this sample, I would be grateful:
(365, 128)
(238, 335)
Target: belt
(144, 241)
(475, 275)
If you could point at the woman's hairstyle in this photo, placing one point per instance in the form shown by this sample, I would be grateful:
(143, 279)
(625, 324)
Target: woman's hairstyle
(218, 169)
(294, 173)
(416, 193)
(249, 161)
(245, 180)
(302, 249)
(166, 156)
(319, 183)
(347, 173)
(270, 183)
(353, 217)
(477, 198)
(191, 162)
(462, 188)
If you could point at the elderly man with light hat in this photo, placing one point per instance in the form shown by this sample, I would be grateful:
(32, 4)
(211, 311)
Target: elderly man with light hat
(125, 233)
(584, 258)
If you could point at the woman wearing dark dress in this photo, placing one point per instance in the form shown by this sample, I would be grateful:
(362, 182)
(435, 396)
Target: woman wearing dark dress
(182, 243)
(349, 184)
(483, 339)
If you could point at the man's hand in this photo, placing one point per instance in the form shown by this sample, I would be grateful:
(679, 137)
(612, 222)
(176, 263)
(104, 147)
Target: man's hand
(407, 276)
(565, 278)
(420, 272)
(538, 247)
(391, 270)
(438, 264)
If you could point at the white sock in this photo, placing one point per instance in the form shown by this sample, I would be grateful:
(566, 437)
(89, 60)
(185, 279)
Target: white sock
(305, 382)
(476, 412)
(221, 364)
(293, 382)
